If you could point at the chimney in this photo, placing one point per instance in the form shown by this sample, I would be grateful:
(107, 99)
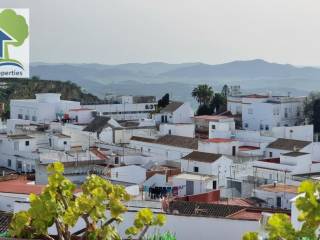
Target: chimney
(274, 184)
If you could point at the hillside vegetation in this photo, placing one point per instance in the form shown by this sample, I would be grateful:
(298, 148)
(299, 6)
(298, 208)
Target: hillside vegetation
(27, 88)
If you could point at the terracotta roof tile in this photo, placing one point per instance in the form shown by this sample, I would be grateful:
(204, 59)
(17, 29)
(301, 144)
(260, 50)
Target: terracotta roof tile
(20, 186)
(202, 157)
(171, 107)
(288, 144)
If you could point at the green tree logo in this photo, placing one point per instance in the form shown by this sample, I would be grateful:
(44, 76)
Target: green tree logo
(14, 31)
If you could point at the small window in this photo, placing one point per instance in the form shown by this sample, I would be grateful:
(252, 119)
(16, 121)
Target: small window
(169, 132)
(267, 127)
(9, 163)
(246, 125)
(196, 169)
(270, 154)
(26, 117)
(20, 116)
(116, 160)
(34, 118)
(27, 143)
(213, 126)
(65, 142)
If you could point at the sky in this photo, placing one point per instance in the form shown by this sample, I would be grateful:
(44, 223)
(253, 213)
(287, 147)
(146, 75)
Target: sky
(173, 31)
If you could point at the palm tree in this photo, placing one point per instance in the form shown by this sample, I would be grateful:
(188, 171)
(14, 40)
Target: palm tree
(218, 103)
(225, 90)
(203, 94)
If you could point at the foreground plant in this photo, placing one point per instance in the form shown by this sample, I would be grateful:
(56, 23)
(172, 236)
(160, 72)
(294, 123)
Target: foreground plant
(164, 236)
(59, 205)
(279, 226)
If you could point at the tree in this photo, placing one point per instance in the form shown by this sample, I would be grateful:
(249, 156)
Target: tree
(279, 226)
(203, 94)
(14, 25)
(164, 101)
(58, 206)
(218, 103)
(225, 91)
(204, 110)
(312, 110)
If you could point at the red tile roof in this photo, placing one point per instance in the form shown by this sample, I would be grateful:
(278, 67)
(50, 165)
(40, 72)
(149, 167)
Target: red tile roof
(20, 186)
(248, 148)
(219, 140)
(246, 214)
(271, 160)
(236, 201)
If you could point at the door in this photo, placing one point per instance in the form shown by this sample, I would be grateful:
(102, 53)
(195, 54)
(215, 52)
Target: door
(214, 185)
(233, 150)
(189, 188)
(278, 202)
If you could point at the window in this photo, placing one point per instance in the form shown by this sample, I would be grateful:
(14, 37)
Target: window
(169, 132)
(20, 116)
(267, 127)
(196, 169)
(27, 143)
(213, 126)
(246, 125)
(26, 117)
(9, 162)
(65, 142)
(250, 111)
(270, 154)
(34, 118)
(261, 126)
(116, 160)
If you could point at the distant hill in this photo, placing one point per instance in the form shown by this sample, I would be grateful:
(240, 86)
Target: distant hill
(254, 74)
(26, 89)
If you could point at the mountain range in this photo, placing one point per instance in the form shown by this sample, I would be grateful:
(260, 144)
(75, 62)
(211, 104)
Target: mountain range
(157, 78)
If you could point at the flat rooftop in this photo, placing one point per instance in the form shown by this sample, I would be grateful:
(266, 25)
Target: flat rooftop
(193, 176)
(279, 187)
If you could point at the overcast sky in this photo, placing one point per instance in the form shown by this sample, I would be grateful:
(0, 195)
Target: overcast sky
(174, 31)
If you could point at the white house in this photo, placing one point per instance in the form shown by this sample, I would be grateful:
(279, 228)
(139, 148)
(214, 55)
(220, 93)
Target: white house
(126, 107)
(46, 107)
(208, 164)
(59, 141)
(236, 102)
(168, 147)
(82, 115)
(18, 152)
(221, 127)
(225, 146)
(193, 183)
(283, 145)
(276, 195)
(274, 112)
(175, 112)
(130, 173)
(181, 129)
